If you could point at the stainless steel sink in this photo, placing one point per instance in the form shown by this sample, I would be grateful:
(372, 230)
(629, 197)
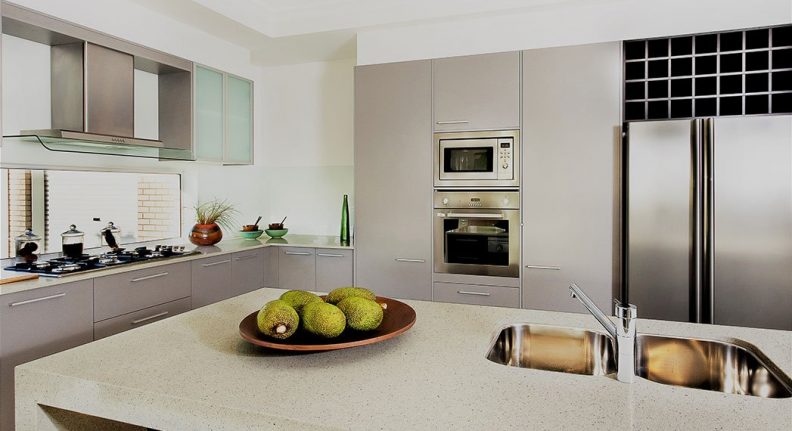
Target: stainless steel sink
(553, 348)
(731, 367)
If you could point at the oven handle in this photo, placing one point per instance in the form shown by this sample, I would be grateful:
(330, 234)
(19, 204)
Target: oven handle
(474, 215)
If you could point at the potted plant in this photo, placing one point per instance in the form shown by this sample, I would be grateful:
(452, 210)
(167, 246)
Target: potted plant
(209, 216)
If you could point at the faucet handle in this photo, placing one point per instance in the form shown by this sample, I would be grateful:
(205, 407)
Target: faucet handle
(624, 311)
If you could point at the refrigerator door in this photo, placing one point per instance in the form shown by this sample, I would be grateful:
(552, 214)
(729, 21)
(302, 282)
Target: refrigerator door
(752, 283)
(661, 229)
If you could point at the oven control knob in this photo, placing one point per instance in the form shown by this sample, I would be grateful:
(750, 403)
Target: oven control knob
(445, 201)
(505, 166)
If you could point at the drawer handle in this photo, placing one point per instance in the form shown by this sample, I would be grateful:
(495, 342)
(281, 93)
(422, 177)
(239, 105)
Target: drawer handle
(298, 253)
(220, 262)
(149, 277)
(465, 292)
(551, 268)
(454, 122)
(403, 259)
(329, 255)
(250, 256)
(146, 319)
(30, 301)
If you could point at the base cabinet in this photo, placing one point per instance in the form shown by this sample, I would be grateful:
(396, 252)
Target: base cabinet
(475, 294)
(297, 268)
(38, 323)
(211, 278)
(247, 272)
(333, 269)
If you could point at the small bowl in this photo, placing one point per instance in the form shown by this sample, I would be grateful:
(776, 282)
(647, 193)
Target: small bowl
(276, 233)
(253, 234)
(250, 228)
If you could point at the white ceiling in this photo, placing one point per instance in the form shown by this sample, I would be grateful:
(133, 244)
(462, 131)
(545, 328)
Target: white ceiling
(293, 31)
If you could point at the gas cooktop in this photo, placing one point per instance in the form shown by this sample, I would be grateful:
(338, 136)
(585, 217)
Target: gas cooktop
(63, 266)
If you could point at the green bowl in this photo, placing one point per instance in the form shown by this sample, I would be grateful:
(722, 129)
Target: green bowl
(276, 233)
(251, 234)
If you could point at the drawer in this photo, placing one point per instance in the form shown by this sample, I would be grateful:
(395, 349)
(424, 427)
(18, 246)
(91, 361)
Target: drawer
(297, 268)
(477, 294)
(140, 318)
(247, 272)
(119, 294)
(211, 280)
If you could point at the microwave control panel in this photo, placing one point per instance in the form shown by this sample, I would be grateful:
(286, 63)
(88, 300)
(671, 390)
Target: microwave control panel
(505, 161)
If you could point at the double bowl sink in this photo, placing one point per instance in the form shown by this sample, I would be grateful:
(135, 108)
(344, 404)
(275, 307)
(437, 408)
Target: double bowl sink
(731, 367)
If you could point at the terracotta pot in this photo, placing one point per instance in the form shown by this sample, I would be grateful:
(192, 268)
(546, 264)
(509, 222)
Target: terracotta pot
(206, 234)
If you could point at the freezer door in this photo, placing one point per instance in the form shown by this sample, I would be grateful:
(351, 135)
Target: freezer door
(660, 227)
(752, 281)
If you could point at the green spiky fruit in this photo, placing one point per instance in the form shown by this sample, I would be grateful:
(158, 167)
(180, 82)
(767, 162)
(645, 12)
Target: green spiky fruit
(277, 319)
(323, 319)
(362, 314)
(298, 298)
(338, 295)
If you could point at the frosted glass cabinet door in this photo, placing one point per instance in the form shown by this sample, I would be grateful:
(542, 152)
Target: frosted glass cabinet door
(209, 114)
(239, 121)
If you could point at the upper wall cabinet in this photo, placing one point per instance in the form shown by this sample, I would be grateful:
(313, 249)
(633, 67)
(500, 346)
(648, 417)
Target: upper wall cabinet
(479, 92)
(223, 117)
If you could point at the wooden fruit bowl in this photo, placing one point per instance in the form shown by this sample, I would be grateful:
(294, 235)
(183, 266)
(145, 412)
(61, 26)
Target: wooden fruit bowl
(398, 318)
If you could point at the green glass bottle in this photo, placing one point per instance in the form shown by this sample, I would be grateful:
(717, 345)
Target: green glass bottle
(345, 221)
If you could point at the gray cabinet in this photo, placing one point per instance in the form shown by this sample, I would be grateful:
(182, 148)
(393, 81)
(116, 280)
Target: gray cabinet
(476, 294)
(393, 177)
(210, 280)
(478, 92)
(571, 118)
(247, 272)
(269, 260)
(297, 268)
(38, 323)
(124, 293)
(333, 269)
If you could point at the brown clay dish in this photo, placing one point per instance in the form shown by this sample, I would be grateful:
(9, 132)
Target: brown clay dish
(399, 317)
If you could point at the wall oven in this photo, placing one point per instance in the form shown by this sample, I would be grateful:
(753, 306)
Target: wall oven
(477, 233)
(474, 160)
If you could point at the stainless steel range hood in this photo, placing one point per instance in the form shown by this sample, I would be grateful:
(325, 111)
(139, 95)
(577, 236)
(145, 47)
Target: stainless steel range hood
(93, 96)
(92, 81)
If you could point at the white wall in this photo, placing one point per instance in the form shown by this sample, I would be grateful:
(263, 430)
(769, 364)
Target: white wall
(577, 23)
(126, 19)
(308, 143)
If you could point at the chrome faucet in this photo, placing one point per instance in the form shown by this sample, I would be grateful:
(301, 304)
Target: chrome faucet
(622, 334)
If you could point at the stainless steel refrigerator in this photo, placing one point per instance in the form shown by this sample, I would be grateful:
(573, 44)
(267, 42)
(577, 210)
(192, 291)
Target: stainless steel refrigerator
(708, 220)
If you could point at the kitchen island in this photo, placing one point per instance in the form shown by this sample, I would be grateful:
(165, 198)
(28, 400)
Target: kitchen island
(194, 372)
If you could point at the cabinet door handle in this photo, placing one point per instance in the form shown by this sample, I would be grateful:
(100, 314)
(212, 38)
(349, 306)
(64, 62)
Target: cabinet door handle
(329, 255)
(465, 292)
(30, 301)
(403, 259)
(299, 253)
(552, 268)
(146, 319)
(219, 262)
(148, 277)
(250, 256)
(474, 215)
(454, 122)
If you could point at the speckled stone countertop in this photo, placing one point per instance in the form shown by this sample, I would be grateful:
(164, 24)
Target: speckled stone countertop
(230, 245)
(194, 372)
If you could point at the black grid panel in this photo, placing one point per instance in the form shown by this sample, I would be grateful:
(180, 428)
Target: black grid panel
(743, 72)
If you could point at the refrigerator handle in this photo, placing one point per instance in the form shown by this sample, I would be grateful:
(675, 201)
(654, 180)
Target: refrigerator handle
(697, 215)
(708, 226)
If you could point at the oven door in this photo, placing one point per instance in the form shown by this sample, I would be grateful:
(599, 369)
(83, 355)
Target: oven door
(477, 242)
(468, 159)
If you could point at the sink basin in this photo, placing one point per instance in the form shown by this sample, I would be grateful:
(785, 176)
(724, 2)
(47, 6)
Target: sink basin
(734, 367)
(553, 348)
(731, 367)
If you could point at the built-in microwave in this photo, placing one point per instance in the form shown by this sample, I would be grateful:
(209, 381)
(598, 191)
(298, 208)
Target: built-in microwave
(476, 160)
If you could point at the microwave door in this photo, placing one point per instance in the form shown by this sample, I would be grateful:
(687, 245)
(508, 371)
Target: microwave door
(468, 159)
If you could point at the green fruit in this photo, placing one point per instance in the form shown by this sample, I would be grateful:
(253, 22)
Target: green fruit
(338, 295)
(323, 319)
(298, 298)
(362, 314)
(277, 319)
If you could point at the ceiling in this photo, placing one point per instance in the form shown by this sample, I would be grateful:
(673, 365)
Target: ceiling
(290, 31)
